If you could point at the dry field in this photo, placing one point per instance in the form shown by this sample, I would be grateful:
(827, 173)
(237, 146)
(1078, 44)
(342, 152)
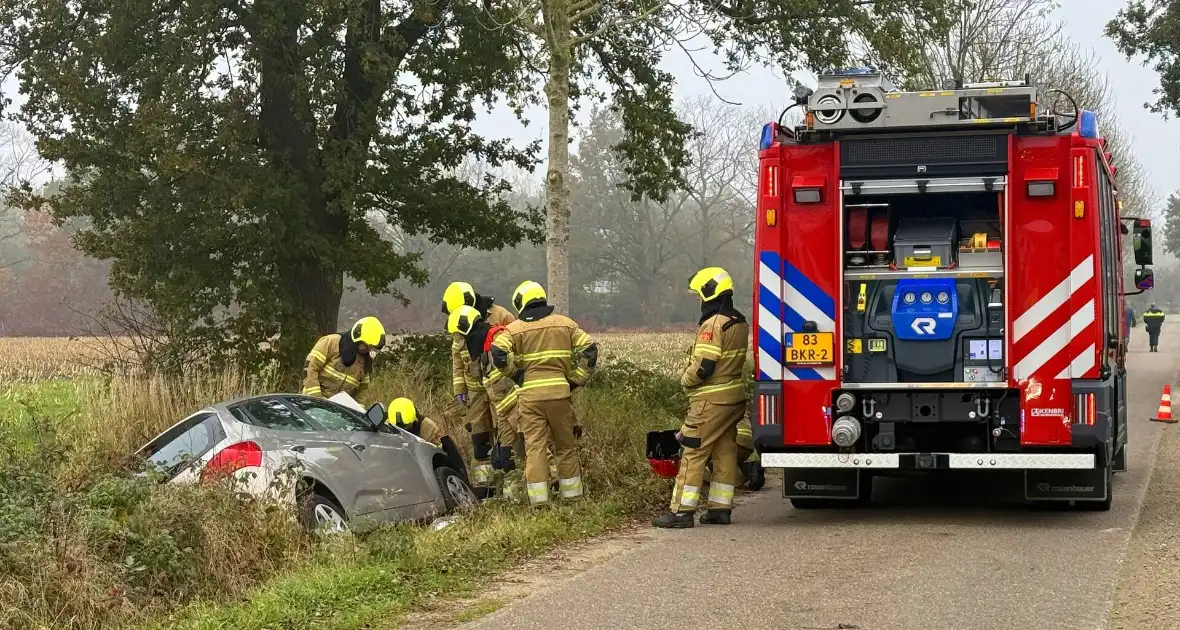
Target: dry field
(39, 358)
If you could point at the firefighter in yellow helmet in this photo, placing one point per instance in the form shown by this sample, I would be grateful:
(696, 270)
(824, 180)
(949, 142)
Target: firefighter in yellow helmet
(502, 392)
(468, 389)
(717, 403)
(342, 362)
(541, 346)
(404, 415)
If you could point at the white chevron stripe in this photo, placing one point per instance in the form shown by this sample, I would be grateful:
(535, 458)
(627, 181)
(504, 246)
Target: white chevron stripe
(771, 280)
(769, 364)
(1055, 343)
(1080, 365)
(1053, 300)
(827, 373)
(808, 311)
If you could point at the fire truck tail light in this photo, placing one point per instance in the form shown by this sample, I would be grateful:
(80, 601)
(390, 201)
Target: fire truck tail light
(1042, 189)
(768, 411)
(807, 195)
(1083, 409)
(770, 180)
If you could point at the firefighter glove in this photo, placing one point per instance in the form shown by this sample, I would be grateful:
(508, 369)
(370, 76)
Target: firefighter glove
(502, 459)
(577, 431)
(461, 399)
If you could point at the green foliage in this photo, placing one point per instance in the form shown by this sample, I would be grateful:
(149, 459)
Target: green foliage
(648, 391)
(234, 200)
(1151, 28)
(1172, 225)
(429, 352)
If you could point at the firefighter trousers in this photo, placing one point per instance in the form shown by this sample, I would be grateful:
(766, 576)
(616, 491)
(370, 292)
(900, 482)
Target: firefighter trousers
(542, 421)
(479, 423)
(709, 432)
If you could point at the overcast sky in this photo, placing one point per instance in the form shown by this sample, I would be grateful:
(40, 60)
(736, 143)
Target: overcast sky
(1156, 141)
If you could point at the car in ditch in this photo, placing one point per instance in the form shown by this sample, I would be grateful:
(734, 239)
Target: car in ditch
(340, 468)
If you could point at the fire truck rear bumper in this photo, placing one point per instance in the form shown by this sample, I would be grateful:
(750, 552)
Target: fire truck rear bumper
(933, 461)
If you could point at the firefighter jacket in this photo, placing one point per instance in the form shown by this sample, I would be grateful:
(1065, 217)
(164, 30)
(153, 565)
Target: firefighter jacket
(334, 365)
(1153, 319)
(502, 390)
(538, 350)
(717, 359)
(464, 371)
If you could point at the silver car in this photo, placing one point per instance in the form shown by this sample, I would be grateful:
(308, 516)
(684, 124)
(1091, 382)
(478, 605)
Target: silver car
(338, 467)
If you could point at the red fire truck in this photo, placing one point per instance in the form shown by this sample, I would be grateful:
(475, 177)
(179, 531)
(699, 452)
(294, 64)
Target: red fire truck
(939, 286)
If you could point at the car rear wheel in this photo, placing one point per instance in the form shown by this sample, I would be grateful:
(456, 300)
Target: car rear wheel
(320, 514)
(456, 493)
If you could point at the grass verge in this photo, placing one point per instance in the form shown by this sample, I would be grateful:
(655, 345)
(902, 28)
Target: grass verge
(86, 544)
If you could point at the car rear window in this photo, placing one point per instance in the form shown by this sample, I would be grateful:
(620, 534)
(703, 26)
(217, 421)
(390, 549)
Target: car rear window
(270, 413)
(186, 442)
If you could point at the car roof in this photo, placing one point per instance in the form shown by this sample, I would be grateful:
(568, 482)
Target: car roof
(245, 399)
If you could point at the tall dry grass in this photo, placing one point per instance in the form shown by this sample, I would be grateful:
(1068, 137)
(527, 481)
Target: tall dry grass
(85, 544)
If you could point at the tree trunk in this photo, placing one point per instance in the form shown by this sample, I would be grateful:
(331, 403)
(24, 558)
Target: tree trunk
(557, 206)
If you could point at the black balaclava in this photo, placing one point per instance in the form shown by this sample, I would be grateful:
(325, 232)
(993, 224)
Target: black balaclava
(721, 305)
(483, 303)
(536, 309)
(475, 338)
(348, 349)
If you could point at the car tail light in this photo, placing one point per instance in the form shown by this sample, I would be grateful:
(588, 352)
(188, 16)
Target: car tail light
(232, 458)
(1083, 409)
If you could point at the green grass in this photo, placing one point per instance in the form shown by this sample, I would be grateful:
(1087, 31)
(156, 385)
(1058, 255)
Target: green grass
(378, 580)
(84, 546)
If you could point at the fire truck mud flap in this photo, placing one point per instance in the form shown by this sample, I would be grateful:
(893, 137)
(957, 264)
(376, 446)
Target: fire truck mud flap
(822, 483)
(1068, 485)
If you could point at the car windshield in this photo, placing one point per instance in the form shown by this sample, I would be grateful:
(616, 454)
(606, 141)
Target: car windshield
(270, 413)
(330, 416)
(185, 443)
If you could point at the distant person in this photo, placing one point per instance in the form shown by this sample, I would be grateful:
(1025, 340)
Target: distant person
(342, 362)
(1128, 322)
(1153, 319)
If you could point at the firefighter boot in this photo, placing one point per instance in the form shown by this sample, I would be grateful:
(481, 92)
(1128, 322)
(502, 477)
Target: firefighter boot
(674, 520)
(715, 517)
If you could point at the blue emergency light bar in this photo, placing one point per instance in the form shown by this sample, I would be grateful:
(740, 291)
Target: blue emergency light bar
(1088, 124)
(769, 131)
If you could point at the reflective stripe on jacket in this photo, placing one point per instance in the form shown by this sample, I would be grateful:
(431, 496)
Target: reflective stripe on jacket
(464, 371)
(717, 361)
(543, 349)
(1152, 320)
(326, 375)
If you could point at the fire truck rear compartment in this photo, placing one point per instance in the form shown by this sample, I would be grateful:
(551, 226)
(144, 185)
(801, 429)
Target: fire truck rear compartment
(923, 288)
(985, 421)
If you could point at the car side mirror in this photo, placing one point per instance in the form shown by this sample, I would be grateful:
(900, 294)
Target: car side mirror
(1144, 279)
(377, 415)
(1141, 241)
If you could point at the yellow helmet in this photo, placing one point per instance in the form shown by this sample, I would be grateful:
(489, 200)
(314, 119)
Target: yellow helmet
(462, 319)
(402, 412)
(527, 293)
(456, 295)
(710, 282)
(369, 331)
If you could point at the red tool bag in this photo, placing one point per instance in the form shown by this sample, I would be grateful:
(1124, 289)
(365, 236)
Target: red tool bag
(663, 453)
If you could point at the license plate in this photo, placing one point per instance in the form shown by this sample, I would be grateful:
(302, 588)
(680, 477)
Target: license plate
(809, 349)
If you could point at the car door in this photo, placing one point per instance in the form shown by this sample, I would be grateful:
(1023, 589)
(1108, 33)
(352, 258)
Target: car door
(394, 479)
(325, 456)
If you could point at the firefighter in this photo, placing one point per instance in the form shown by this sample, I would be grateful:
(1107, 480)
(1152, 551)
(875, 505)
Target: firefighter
(342, 362)
(717, 403)
(542, 345)
(403, 414)
(478, 335)
(751, 475)
(469, 391)
(1153, 319)
(1128, 322)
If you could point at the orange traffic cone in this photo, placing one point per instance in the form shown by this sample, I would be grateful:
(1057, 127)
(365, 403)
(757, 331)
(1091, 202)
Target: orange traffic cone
(1165, 412)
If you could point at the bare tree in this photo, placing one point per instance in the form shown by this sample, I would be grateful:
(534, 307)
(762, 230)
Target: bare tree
(19, 163)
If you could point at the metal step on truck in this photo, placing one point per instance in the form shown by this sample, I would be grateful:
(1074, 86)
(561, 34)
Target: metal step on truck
(939, 286)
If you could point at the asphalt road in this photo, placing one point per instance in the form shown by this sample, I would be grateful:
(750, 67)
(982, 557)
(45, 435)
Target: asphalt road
(948, 557)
